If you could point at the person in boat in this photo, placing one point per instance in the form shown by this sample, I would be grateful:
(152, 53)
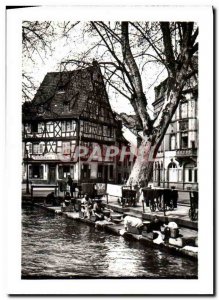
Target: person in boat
(98, 209)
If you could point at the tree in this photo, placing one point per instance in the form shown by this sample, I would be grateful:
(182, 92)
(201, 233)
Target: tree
(38, 41)
(180, 68)
(171, 44)
(124, 50)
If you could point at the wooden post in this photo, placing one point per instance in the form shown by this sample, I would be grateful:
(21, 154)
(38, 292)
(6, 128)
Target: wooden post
(31, 193)
(143, 206)
(164, 211)
(27, 173)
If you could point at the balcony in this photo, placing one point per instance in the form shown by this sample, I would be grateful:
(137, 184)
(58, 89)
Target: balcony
(186, 152)
(186, 155)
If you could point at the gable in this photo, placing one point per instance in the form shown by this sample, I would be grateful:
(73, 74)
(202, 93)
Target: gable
(73, 94)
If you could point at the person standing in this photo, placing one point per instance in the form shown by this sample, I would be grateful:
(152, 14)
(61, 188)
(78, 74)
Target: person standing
(85, 206)
(71, 185)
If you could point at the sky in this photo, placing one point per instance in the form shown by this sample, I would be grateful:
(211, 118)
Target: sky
(72, 48)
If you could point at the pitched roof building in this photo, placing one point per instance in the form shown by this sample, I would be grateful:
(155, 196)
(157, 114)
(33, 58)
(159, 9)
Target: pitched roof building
(71, 109)
(176, 163)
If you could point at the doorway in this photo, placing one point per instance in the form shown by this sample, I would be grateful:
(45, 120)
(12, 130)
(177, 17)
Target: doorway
(105, 174)
(52, 174)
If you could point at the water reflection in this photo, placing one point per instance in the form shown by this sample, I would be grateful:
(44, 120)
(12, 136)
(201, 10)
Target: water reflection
(56, 247)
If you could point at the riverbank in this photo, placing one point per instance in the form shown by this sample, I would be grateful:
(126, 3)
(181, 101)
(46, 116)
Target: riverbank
(180, 215)
(186, 245)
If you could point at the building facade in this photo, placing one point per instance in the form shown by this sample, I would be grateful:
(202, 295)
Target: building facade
(68, 129)
(176, 163)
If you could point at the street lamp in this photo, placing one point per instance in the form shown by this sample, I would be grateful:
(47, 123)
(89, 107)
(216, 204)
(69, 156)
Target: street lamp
(27, 172)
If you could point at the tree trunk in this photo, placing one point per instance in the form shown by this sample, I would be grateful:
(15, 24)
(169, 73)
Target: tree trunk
(143, 166)
(155, 131)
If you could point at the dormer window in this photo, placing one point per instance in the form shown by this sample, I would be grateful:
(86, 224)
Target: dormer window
(66, 106)
(40, 109)
(61, 89)
(34, 127)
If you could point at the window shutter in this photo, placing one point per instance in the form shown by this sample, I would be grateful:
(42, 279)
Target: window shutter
(30, 172)
(41, 148)
(41, 172)
(61, 173)
(63, 126)
(39, 127)
(30, 148)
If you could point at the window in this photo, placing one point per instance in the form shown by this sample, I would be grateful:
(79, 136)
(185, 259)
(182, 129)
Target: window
(66, 106)
(190, 175)
(93, 170)
(40, 128)
(63, 126)
(184, 110)
(183, 125)
(157, 172)
(66, 148)
(100, 171)
(34, 127)
(68, 125)
(111, 132)
(40, 109)
(85, 170)
(51, 147)
(105, 130)
(38, 148)
(195, 175)
(29, 148)
(193, 144)
(28, 128)
(172, 172)
(36, 171)
(61, 89)
(64, 171)
(184, 140)
(172, 142)
(49, 127)
(111, 172)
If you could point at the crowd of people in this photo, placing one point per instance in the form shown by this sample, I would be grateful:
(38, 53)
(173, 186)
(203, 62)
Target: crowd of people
(87, 206)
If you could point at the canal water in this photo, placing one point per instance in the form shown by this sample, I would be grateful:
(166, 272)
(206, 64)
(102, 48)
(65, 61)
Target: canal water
(54, 246)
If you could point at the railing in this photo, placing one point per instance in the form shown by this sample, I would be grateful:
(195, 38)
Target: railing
(186, 152)
(43, 186)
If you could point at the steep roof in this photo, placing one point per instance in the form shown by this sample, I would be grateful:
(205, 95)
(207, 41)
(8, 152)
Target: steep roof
(81, 91)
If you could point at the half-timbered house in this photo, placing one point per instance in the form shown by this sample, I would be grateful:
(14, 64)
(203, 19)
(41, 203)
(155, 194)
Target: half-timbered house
(70, 115)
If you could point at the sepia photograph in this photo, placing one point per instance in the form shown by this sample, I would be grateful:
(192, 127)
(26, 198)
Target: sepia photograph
(109, 141)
